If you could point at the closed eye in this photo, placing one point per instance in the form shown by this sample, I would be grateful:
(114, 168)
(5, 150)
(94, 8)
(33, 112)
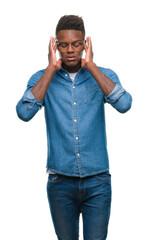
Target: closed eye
(63, 44)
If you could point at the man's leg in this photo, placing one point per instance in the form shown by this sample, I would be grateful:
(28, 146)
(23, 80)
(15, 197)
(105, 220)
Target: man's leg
(96, 207)
(64, 206)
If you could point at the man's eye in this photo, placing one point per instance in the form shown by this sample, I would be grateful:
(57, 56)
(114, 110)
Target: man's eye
(63, 45)
(77, 44)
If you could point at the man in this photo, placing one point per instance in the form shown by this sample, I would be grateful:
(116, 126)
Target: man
(73, 92)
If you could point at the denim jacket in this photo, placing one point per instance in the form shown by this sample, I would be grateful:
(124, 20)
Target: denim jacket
(75, 120)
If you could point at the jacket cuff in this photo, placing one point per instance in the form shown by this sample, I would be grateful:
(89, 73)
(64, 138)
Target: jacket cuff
(28, 97)
(114, 96)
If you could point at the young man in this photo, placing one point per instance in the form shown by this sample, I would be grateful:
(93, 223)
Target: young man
(73, 92)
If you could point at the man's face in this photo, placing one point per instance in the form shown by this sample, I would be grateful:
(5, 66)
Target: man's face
(70, 55)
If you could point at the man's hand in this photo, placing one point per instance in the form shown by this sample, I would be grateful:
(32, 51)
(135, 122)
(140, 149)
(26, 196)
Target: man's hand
(88, 61)
(106, 84)
(40, 88)
(52, 55)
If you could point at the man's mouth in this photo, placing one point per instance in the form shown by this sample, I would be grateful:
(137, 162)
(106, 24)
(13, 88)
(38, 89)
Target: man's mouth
(71, 58)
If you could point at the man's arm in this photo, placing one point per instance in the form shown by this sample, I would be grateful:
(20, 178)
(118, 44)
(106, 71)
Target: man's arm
(110, 86)
(33, 97)
(40, 89)
(106, 84)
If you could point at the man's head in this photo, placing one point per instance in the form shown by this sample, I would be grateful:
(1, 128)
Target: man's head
(71, 22)
(70, 34)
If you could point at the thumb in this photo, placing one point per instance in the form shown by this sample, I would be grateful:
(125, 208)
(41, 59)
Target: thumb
(60, 61)
(82, 62)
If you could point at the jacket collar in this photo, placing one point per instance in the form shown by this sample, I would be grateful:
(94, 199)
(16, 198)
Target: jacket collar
(79, 77)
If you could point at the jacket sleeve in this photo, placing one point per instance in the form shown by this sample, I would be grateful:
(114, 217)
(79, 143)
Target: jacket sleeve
(28, 106)
(119, 98)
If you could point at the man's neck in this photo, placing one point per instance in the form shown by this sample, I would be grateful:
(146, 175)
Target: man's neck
(72, 69)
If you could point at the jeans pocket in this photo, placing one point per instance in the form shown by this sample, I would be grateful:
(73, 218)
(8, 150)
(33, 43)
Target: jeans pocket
(106, 176)
(54, 178)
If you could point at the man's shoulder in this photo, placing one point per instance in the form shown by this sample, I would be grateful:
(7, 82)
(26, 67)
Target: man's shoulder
(39, 73)
(35, 77)
(106, 71)
(110, 74)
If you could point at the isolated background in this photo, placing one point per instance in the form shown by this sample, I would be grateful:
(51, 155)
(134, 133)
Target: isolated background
(119, 36)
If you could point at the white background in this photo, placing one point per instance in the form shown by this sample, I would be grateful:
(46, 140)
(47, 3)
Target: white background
(119, 36)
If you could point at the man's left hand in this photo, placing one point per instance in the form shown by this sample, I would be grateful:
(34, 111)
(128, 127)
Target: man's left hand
(88, 61)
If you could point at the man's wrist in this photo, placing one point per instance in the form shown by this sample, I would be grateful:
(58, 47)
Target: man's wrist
(51, 69)
(90, 67)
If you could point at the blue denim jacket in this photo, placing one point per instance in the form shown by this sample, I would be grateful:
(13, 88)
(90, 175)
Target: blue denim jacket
(75, 120)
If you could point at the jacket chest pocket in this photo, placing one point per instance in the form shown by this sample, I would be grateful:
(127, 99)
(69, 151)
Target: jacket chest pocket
(92, 94)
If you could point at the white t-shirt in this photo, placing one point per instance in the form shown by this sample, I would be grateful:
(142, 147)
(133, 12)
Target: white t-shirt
(72, 77)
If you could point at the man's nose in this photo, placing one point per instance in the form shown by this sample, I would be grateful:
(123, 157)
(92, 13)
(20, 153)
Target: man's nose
(69, 49)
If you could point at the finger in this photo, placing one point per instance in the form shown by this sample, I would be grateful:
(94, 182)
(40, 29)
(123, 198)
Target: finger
(90, 46)
(85, 46)
(52, 40)
(89, 41)
(55, 42)
(49, 44)
(55, 47)
(52, 44)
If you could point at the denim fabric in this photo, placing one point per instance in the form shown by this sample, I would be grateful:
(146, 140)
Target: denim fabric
(70, 196)
(75, 120)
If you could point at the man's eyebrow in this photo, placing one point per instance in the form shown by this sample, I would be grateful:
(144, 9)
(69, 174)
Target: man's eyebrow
(72, 42)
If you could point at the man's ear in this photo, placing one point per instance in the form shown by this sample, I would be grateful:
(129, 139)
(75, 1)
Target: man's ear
(86, 43)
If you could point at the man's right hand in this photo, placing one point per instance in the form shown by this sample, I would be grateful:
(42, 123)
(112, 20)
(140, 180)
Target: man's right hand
(40, 88)
(56, 65)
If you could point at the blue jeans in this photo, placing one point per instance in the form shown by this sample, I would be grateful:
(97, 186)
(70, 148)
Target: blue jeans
(70, 196)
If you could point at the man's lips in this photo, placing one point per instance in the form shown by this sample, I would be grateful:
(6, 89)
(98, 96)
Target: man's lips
(70, 58)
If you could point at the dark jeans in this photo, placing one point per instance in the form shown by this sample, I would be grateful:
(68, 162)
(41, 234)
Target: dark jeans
(70, 196)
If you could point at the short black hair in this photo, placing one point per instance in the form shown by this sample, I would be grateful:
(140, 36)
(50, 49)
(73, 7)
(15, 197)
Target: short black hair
(70, 22)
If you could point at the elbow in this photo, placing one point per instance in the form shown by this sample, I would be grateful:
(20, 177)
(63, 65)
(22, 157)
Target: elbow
(24, 117)
(23, 112)
(124, 108)
(124, 103)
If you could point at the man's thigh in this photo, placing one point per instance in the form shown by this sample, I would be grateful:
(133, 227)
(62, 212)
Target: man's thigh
(64, 206)
(96, 207)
